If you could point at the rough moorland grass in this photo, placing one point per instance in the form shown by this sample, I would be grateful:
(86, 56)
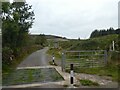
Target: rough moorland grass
(94, 43)
(86, 82)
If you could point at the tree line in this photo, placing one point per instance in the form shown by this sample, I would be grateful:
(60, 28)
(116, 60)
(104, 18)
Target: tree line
(17, 19)
(104, 32)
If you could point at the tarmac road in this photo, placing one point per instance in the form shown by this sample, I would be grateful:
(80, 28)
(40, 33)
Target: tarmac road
(38, 58)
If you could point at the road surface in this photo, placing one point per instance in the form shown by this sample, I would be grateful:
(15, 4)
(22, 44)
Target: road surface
(38, 58)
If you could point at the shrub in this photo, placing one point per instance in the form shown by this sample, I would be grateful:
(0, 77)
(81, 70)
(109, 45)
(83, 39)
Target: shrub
(6, 54)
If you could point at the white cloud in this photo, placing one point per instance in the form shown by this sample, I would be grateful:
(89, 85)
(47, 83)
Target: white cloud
(73, 18)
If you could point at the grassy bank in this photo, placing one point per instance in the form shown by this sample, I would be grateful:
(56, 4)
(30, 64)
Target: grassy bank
(56, 51)
(85, 82)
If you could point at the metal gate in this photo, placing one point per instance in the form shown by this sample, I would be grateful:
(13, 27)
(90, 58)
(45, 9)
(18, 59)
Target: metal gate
(84, 58)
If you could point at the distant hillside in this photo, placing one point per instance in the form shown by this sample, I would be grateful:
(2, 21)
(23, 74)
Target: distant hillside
(51, 37)
(103, 42)
(103, 32)
(96, 43)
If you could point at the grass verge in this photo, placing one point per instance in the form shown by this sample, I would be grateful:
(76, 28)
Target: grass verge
(56, 51)
(86, 82)
(111, 71)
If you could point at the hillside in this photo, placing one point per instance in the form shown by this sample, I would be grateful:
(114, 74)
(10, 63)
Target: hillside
(48, 36)
(104, 32)
(103, 42)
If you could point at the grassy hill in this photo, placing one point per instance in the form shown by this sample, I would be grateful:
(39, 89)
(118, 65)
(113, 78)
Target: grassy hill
(99, 43)
(94, 43)
(48, 36)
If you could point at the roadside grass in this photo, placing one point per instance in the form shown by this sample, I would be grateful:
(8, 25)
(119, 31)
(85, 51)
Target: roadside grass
(86, 82)
(56, 51)
(65, 85)
(11, 68)
(111, 71)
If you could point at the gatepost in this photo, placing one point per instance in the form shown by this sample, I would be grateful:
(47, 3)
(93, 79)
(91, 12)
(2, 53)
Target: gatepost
(62, 64)
(71, 74)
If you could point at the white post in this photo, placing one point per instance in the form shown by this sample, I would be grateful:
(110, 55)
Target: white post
(71, 75)
(113, 46)
(53, 59)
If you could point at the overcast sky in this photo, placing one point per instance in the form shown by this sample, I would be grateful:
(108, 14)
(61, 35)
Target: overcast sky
(73, 18)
